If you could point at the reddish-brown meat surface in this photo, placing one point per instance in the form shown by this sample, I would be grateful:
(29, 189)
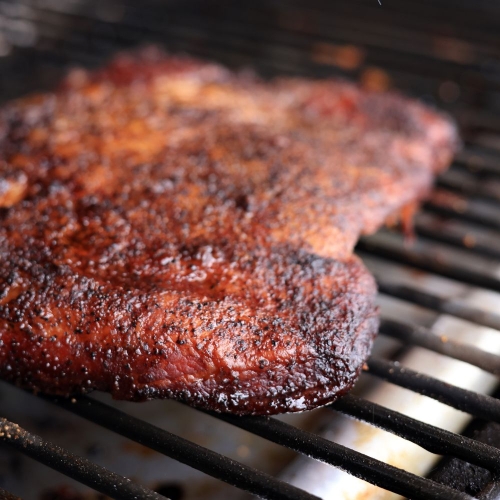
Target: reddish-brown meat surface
(171, 229)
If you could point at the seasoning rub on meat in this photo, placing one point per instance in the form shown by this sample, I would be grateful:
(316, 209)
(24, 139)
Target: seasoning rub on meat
(169, 228)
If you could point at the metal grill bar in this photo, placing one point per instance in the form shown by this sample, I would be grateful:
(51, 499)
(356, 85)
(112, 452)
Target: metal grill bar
(303, 442)
(427, 436)
(477, 160)
(479, 405)
(453, 307)
(357, 464)
(455, 235)
(78, 468)
(469, 185)
(476, 22)
(134, 17)
(384, 49)
(220, 29)
(162, 441)
(394, 42)
(331, 29)
(423, 337)
(468, 212)
(420, 260)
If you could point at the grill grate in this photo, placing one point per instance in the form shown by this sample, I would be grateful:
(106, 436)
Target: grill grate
(84, 471)
(448, 53)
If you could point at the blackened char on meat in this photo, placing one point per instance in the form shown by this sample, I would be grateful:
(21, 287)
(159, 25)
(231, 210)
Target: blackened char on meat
(172, 229)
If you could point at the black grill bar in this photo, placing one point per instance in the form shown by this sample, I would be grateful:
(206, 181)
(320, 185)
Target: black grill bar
(468, 212)
(476, 404)
(454, 307)
(215, 25)
(182, 450)
(478, 161)
(469, 185)
(456, 235)
(212, 27)
(381, 48)
(73, 466)
(427, 436)
(423, 337)
(421, 260)
(475, 24)
(353, 462)
(260, 13)
(239, 26)
(177, 38)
